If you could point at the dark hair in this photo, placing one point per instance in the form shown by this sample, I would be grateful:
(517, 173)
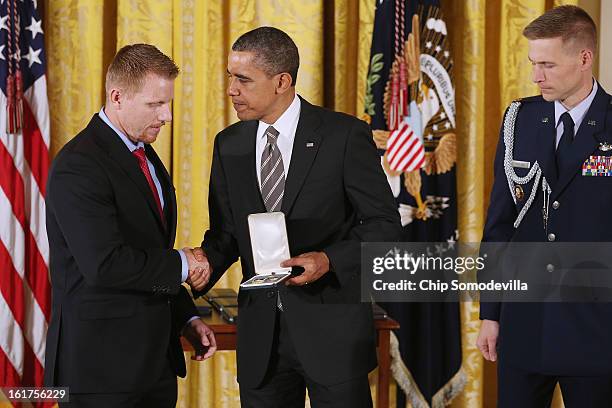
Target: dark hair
(133, 62)
(275, 52)
(571, 23)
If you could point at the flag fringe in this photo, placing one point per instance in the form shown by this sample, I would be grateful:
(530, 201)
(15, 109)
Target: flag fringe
(451, 389)
(404, 379)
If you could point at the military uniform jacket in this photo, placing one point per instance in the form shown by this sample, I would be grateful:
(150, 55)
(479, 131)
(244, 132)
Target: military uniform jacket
(535, 204)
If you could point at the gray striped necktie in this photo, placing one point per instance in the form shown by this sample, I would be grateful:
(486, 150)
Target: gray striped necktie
(272, 180)
(272, 173)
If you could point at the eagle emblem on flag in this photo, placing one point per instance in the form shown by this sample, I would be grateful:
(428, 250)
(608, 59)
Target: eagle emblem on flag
(419, 110)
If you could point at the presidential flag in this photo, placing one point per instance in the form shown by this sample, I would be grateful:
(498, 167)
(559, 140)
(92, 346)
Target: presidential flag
(405, 151)
(25, 299)
(410, 104)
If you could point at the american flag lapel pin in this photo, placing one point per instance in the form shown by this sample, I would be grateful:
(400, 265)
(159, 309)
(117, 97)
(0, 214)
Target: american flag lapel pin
(309, 144)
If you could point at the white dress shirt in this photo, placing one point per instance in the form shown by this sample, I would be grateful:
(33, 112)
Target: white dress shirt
(286, 125)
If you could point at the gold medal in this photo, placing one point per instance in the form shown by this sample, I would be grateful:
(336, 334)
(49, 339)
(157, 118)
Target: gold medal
(518, 192)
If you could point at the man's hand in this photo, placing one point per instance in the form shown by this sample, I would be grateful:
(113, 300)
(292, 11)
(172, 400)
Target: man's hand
(199, 254)
(199, 268)
(315, 264)
(487, 339)
(202, 339)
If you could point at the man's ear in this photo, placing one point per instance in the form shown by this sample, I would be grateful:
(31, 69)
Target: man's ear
(586, 59)
(116, 97)
(284, 82)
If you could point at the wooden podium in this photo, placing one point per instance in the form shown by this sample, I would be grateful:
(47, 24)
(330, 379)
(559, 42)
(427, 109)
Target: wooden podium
(225, 334)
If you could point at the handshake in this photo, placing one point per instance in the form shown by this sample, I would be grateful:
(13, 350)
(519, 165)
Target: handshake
(199, 268)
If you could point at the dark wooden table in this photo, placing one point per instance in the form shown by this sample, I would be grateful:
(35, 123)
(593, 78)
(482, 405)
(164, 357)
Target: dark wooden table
(225, 334)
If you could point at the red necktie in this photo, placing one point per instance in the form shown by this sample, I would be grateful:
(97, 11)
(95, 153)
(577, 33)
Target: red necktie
(142, 162)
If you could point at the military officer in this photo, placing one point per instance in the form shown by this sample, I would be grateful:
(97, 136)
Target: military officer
(552, 184)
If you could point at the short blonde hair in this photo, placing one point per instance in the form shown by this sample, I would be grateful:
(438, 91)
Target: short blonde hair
(571, 23)
(134, 62)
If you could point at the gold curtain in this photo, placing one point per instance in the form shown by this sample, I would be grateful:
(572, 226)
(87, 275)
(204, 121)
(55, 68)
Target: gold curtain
(82, 37)
(491, 69)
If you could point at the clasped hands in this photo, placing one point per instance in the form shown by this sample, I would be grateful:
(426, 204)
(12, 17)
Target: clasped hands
(199, 268)
(315, 264)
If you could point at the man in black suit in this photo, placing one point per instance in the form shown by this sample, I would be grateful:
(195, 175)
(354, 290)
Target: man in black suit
(322, 170)
(118, 306)
(544, 192)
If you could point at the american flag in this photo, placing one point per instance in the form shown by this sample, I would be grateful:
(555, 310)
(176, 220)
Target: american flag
(25, 305)
(405, 151)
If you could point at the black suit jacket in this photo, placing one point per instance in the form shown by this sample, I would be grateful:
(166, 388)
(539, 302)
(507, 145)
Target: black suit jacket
(336, 196)
(117, 300)
(557, 338)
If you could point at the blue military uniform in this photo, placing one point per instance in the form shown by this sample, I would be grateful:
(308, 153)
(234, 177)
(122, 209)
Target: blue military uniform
(532, 201)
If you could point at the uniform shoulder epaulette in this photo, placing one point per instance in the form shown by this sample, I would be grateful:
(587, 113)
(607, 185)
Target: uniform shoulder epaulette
(535, 98)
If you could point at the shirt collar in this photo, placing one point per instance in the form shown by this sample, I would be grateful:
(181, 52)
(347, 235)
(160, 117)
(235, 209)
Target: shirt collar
(284, 124)
(130, 145)
(579, 111)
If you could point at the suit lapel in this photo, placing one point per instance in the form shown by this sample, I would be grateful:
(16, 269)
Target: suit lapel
(586, 141)
(118, 152)
(305, 147)
(246, 167)
(170, 211)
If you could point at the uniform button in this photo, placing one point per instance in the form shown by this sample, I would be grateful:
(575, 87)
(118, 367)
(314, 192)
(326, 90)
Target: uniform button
(556, 205)
(550, 268)
(551, 237)
(271, 293)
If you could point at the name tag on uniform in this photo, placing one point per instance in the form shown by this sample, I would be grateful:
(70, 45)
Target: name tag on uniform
(597, 166)
(520, 164)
